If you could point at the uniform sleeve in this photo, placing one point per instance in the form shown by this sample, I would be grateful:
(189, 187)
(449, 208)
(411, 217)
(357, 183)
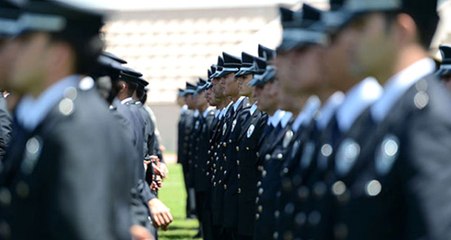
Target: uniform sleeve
(427, 155)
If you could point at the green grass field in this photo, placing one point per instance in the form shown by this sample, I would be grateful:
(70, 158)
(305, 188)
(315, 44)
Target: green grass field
(174, 196)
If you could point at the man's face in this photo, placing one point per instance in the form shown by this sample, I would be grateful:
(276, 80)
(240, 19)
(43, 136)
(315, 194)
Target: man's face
(201, 100)
(243, 83)
(338, 59)
(34, 55)
(8, 53)
(268, 100)
(208, 96)
(190, 101)
(231, 86)
(299, 70)
(375, 49)
(218, 88)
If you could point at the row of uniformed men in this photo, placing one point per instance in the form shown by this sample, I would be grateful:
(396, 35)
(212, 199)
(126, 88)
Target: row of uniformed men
(76, 164)
(312, 151)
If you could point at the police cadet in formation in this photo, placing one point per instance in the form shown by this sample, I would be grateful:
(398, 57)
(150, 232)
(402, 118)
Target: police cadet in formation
(204, 115)
(252, 122)
(444, 71)
(52, 183)
(391, 186)
(185, 128)
(8, 14)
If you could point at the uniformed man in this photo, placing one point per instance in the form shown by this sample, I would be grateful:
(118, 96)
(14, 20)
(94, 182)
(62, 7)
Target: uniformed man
(251, 125)
(384, 188)
(187, 150)
(9, 13)
(270, 160)
(201, 137)
(444, 70)
(54, 182)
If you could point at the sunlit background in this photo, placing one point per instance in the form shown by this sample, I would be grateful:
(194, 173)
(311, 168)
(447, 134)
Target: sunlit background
(175, 41)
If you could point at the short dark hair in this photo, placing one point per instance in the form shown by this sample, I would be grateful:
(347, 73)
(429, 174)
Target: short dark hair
(86, 51)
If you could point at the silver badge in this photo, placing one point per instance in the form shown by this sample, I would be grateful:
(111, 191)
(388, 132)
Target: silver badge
(287, 138)
(307, 155)
(33, 149)
(250, 130)
(347, 154)
(233, 124)
(387, 154)
(295, 148)
(224, 129)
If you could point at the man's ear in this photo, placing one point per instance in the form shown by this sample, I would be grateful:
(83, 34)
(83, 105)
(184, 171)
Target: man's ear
(407, 29)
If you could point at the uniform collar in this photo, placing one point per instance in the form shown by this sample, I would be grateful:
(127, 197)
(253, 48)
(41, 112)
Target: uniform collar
(196, 113)
(305, 116)
(285, 119)
(398, 84)
(30, 112)
(253, 108)
(329, 108)
(127, 100)
(357, 99)
(206, 111)
(238, 102)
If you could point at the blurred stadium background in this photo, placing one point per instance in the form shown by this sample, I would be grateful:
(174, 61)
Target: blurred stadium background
(172, 42)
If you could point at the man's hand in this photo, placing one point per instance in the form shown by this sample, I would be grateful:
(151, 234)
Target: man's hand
(161, 216)
(140, 233)
(163, 169)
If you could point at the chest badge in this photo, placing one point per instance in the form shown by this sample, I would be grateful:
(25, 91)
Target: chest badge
(233, 124)
(287, 138)
(386, 154)
(250, 130)
(224, 128)
(33, 149)
(347, 154)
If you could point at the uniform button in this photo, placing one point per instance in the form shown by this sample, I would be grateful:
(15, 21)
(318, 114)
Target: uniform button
(238, 176)
(286, 185)
(239, 190)
(22, 189)
(256, 200)
(230, 140)
(224, 144)
(373, 188)
(289, 208)
(314, 218)
(288, 235)
(260, 208)
(257, 216)
(225, 172)
(276, 214)
(247, 148)
(300, 219)
(208, 162)
(5, 230)
(225, 186)
(319, 189)
(275, 235)
(303, 193)
(278, 194)
(280, 156)
(340, 231)
(340, 191)
(264, 173)
(285, 170)
(260, 191)
(214, 184)
(259, 183)
(220, 168)
(219, 182)
(238, 162)
(5, 196)
(267, 157)
(260, 168)
(257, 154)
(237, 148)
